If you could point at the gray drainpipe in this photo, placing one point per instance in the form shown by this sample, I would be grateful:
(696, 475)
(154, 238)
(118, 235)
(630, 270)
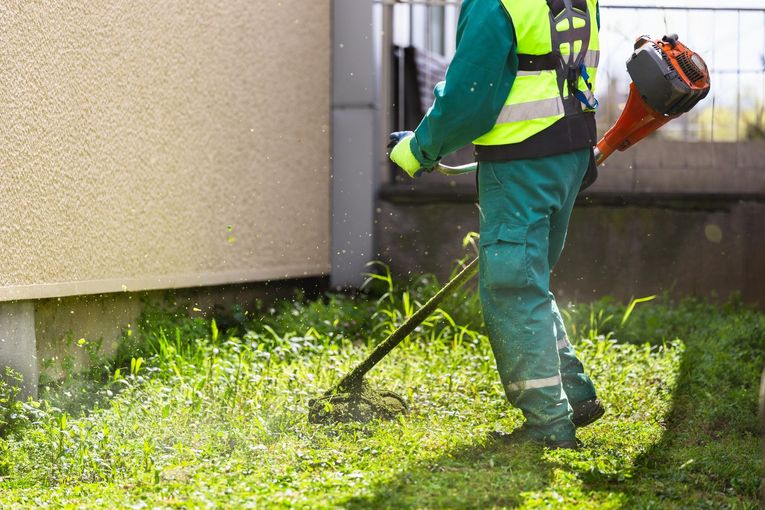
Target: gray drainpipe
(355, 141)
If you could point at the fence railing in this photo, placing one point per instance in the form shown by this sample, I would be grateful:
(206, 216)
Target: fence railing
(731, 40)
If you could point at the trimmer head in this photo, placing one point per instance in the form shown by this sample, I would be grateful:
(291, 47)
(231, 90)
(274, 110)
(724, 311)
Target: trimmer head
(360, 404)
(668, 79)
(352, 398)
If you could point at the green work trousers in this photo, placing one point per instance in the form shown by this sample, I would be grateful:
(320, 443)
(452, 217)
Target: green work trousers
(525, 208)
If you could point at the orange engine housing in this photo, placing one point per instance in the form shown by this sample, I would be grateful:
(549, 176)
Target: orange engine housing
(668, 79)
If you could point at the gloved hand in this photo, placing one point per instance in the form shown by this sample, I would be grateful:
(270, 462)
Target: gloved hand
(402, 155)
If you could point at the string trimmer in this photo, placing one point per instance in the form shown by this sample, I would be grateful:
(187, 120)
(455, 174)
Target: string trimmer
(668, 80)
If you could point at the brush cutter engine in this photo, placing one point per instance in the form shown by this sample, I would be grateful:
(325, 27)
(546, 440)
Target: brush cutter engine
(671, 78)
(668, 79)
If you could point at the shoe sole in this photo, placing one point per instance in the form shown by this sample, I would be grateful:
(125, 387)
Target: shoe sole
(591, 419)
(508, 439)
(563, 445)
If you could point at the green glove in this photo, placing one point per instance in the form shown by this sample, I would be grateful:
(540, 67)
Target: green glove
(402, 155)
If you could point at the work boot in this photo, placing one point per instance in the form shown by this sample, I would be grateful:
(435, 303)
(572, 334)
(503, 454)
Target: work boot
(587, 412)
(525, 434)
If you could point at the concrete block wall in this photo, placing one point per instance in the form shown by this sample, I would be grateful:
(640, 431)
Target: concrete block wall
(625, 251)
(661, 166)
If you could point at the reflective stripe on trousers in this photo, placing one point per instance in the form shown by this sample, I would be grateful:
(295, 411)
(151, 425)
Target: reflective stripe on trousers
(534, 383)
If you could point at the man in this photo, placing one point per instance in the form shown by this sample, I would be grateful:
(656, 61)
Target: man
(520, 87)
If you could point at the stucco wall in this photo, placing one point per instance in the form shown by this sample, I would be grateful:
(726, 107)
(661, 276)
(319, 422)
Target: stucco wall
(162, 144)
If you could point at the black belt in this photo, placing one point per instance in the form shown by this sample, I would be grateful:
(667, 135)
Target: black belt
(571, 133)
(546, 62)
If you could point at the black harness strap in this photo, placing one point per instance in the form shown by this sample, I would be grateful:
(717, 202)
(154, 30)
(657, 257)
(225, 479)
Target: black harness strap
(546, 62)
(556, 6)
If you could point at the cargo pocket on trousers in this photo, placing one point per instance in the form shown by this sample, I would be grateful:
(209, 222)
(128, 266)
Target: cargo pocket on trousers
(504, 257)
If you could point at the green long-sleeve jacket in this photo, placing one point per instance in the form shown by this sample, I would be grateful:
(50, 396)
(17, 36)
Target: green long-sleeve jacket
(477, 83)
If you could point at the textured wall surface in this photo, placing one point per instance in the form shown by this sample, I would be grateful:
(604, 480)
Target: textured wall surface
(162, 144)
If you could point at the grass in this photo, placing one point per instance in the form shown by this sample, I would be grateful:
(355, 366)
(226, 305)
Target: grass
(190, 416)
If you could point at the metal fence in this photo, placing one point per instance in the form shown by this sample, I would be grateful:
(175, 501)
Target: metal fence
(731, 39)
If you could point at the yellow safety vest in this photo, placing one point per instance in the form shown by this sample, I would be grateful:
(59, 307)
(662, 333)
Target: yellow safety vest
(557, 46)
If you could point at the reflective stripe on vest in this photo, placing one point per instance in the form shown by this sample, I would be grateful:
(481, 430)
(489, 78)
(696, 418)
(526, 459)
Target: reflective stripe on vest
(592, 59)
(531, 110)
(538, 99)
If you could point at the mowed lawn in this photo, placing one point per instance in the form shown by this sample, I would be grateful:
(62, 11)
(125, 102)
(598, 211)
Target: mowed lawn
(192, 415)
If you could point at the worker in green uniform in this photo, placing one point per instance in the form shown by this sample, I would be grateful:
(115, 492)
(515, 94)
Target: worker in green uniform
(520, 87)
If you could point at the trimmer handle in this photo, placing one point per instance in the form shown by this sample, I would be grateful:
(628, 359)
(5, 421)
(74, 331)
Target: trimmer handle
(456, 170)
(637, 121)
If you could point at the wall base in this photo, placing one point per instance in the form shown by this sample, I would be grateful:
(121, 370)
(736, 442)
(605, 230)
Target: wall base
(52, 338)
(18, 344)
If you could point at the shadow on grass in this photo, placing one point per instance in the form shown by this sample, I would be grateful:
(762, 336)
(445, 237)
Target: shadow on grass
(488, 476)
(709, 454)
